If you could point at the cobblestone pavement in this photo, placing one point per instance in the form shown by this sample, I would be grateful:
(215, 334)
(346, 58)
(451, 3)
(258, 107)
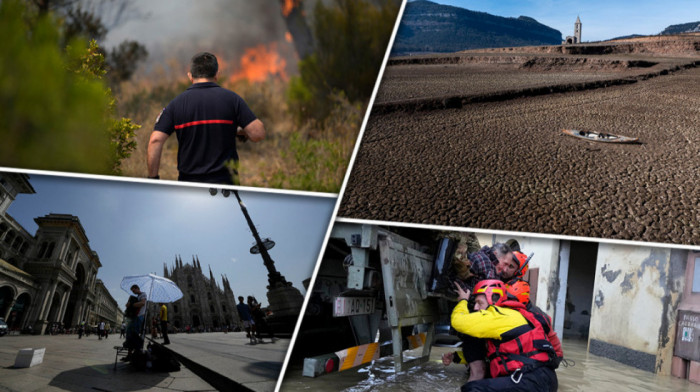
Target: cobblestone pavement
(87, 364)
(231, 355)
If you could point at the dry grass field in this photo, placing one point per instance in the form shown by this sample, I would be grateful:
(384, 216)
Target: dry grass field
(500, 161)
(301, 156)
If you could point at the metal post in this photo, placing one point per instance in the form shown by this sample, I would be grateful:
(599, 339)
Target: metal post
(274, 277)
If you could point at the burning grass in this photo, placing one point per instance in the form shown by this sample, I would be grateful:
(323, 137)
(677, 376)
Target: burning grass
(309, 155)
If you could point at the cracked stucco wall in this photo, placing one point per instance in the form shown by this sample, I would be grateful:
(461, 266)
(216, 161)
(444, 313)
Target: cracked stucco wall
(636, 294)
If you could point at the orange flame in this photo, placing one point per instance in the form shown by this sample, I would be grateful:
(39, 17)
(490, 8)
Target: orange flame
(261, 62)
(289, 6)
(288, 37)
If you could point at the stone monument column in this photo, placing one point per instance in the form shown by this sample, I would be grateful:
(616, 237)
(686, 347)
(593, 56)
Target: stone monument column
(41, 320)
(64, 305)
(9, 308)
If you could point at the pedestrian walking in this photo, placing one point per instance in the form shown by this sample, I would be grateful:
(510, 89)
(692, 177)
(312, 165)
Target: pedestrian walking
(164, 323)
(154, 328)
(261, 325)
(122, 331)
(247, 318)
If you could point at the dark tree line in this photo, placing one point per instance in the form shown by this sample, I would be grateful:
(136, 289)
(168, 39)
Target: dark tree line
(93, 20)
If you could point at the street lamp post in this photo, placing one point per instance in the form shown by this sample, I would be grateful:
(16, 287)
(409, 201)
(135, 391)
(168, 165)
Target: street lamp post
(273, 276)
(285, 300)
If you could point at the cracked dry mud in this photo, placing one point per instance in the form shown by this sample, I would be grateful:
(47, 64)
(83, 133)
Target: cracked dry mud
(447, 76)
(506, 165)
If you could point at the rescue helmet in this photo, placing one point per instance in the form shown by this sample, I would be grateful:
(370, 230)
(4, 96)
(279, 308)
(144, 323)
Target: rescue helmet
(519, 290)
(522, 261)
(490, 288)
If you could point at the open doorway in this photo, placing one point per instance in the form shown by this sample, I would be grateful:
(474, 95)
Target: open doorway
(579, 293)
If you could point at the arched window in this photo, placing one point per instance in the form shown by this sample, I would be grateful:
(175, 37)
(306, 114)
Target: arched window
(17, 243)
(42, 250)
(211, 308)
(223, 307)
(49, 251)
(10, 236)
(191, 298)
(209, 296)
(175, 308)
(189, 280)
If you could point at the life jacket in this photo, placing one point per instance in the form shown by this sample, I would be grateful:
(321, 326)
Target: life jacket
(541, 316)
(525, 352)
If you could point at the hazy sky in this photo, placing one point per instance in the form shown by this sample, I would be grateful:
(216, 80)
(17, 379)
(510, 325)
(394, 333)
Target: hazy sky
(177, 29)
(135, 228)
(601, 19)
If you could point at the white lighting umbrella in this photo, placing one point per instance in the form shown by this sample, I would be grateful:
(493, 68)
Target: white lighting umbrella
(157, 288)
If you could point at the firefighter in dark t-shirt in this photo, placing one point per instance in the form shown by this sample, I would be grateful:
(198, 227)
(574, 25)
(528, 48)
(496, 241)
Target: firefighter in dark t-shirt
(207, 119)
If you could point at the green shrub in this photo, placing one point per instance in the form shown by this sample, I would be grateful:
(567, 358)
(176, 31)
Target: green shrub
(317, 165)
(56, 110)
(351, 39)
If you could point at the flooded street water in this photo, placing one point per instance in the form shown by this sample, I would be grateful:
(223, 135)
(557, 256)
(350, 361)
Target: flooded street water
(594, 373)
(590, 373)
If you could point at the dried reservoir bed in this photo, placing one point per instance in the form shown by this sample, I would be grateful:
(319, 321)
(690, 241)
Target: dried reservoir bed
(505, 164)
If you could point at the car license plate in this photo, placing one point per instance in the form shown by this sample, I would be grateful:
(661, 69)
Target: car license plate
(350, 306)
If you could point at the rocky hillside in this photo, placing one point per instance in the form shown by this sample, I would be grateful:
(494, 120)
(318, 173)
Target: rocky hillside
(693, 27)
(430, 27)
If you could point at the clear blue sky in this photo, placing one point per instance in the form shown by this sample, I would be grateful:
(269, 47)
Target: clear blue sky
(600, 19)
(135, 228)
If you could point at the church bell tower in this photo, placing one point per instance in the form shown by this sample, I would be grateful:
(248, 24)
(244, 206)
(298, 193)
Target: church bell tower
(577, 31)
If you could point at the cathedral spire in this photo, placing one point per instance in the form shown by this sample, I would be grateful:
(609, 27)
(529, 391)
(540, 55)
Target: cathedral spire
(227, 287)
(211, 276)
(165, 270)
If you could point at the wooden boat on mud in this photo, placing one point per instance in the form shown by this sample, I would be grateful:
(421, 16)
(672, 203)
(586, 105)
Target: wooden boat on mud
(600, 137)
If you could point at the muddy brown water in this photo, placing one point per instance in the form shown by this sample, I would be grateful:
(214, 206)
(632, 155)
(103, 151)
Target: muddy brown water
(589, 373)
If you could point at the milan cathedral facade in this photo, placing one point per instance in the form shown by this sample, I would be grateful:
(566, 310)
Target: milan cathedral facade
(204, 304)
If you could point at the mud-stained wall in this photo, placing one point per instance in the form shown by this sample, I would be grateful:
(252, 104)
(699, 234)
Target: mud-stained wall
(632, 294)
(546, 258)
